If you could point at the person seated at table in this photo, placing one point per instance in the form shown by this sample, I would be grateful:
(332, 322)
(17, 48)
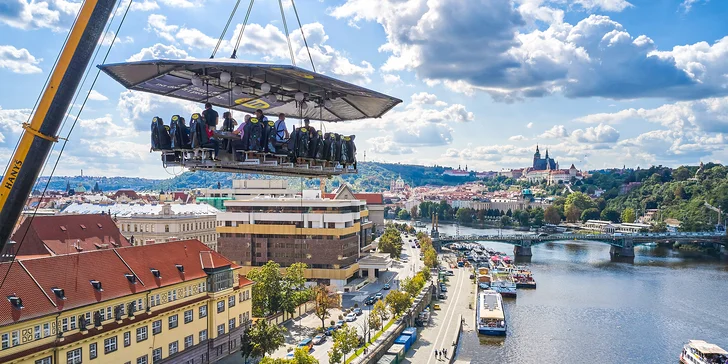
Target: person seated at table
(239, 144)
(229, 122)
(211, 141)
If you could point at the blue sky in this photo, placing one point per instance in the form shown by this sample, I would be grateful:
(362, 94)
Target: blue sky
(600, 83)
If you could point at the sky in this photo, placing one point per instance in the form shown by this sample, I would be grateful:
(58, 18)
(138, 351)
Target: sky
(597, 83)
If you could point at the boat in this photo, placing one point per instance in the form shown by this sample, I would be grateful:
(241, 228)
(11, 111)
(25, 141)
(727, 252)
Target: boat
(505, 288)
(701, 352)
(491, 316)
(523, 278)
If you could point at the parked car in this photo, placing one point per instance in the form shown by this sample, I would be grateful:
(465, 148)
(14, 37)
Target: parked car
(450, 273)
(306, 343)
(435, 307)
(472, 276)
(339, 324)
(386, 286)
(370, 300)
(379, 295)
(330, 331)
(358, 311)
(443, 288)
(350, 317)
(441, 296)
(319, 339)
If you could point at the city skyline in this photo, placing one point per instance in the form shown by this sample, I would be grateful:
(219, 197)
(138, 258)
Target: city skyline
(601, 83)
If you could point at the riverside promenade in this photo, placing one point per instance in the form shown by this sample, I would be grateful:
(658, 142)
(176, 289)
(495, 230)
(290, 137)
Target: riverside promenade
(445, 325)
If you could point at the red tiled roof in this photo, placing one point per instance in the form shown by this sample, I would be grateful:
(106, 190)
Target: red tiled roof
(129, 193)
(73, 273)
(244, 281)
(59, 234)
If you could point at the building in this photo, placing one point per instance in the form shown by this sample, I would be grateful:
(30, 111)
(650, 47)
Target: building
(542, 164)
(457, 172)
(245, 189)
(177, 302)
(606, 227)
(64, 234)
(375, 204)
(157, 223)
(326, 234)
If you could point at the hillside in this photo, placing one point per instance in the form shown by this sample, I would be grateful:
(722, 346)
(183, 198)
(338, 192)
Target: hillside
(372, 177)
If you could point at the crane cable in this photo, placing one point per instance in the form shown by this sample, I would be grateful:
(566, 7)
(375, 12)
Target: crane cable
(75, 121)
(293, 2)
(242, 30)
(224, 31)
(288, 37)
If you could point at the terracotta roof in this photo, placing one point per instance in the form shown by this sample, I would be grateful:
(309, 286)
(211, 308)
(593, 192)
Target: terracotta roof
(31, 278)
(60, 234)
(131, 194)
(244, 281)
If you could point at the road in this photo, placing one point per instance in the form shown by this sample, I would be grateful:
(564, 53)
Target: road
(305, 327)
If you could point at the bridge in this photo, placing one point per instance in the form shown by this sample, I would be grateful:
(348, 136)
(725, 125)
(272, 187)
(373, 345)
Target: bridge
(621, 244)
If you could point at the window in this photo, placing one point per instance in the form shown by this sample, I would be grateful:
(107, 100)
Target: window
(166, 228)
(110, 345)
(46, 329)
(172, 321)
(203, 335)
(91, 351)
(189, 315)
(64, 324)
(203, 311)
(142, 359)
(156, 355)
(231, 324)
(36, 332)
(171, 296)
(153, 300)
(189, 341)
(140, 303)
(220, 329)
(231, 301)
(73, 322)
(173, 348)
(141, 333)
(202, 287)
(127, 338)
(156, 327)
(46, 360)
(222, 280)
(5, 341)
(220, 306)
(188, 291)
(108, 313)
(74, 356)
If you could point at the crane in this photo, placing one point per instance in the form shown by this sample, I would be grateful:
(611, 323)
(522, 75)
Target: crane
(716, 209)
(40, 134)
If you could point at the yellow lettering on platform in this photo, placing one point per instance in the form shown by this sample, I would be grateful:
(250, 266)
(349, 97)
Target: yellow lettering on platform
(252, 103)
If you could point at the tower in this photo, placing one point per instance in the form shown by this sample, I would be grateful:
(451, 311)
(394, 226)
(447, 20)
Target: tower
(536, 158)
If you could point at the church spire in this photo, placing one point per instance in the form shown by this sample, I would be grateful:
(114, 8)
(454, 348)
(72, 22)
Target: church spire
(547, 155)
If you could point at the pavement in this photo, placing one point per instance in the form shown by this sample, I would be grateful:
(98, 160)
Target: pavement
(306, 325)
(444, 327)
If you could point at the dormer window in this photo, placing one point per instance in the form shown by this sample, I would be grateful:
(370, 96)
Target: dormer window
(97, 285)
(16, 302)
(83, 227)
(180, 268)
(132, 278)
(59, 293)
(63, 228)
(156, 273)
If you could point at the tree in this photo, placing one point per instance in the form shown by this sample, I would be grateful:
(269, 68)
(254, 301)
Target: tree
(391, 242)
(323, 302)
(403, 215)
(380, 310)
(680, 192)
(346, 340)
(509, 213)
(426, 275)
(430, 258)
(505, 220)
(265, 338)
(413, 213)
(579, 200)
(573, 213)
(267, 289)
(628, 215)
(300, 356)
(551, 215)
(375, 322)
(293, 288)
(682, 173)
(398, 302)
(610, 215)
(413, 286)
(590, 214)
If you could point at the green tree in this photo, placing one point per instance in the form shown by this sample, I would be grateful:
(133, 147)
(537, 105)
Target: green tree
(430, 258)
(573, 213)
(380, 310)
(505, 220)
(413, 286)
(551, 215)
(590, 214)
(426, 275)
(628, 215)
(323, 303)
(375, 322)
(680, 193)
(682, 173)
(579, 200)
(403, 215)
(413, 213)
(346, 340)
(610, 215)
(300, 356)
(293, 288)
(398, 302)
(265, 338)
(537, 216)
(391, 242)
(267, 289)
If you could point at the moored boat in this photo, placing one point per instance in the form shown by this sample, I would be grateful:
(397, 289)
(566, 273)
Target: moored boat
(701, 352)
(491, 316)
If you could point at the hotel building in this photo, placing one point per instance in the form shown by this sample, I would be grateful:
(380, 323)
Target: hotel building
(326, 234)
(177, 302)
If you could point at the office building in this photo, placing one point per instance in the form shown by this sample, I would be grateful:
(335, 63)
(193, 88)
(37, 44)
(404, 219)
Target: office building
(244, 190)
(177, 302)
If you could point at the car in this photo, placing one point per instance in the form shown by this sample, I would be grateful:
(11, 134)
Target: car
(472, 276)
(441, 296)
(358, 311)
(306, 343)
(404, 260)
(450, 273)
(379, 295)
(543, 235)
(319, 339)
(435, 307)
(350, 317)
(386, 286)
(290, 355)
(443, 288)
(330, 331)
(339, 324)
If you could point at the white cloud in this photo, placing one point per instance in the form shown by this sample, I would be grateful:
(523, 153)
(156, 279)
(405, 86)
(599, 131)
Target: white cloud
(182, 3)
(108, 37)
(157, 24)
(391, 79)
(18, 60)
(518, 138)
(529, 125)
(557, 131)
(29, 14)
(605, 5)
(688, 4)
(159, 51)
(385, 145)
(97, 96)
(598, 134)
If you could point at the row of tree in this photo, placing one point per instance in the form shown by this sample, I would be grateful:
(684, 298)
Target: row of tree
(276, 292)
(391, 242)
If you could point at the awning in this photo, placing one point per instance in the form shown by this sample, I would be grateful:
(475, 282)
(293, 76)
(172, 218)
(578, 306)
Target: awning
(326, 98)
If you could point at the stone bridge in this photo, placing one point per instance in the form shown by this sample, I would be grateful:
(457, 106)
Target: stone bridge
(621, 244)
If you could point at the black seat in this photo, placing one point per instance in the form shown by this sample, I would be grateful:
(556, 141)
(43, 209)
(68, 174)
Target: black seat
(160, 135)
(180, 133)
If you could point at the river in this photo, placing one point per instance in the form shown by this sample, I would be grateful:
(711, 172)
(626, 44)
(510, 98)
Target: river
(588, 309)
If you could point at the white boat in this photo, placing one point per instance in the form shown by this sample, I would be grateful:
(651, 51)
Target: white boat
(491, 316)
(701, 352)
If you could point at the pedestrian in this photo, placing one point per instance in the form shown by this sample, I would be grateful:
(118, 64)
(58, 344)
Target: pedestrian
(435, 354)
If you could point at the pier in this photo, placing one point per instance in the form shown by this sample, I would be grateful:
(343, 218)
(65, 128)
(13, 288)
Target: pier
(622, 245)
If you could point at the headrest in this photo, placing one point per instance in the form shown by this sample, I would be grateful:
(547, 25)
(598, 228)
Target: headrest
(320, 133)
(196, 116)
(270, 123)
(352, 137)
(254, 120)
(157, 119)
(346, 138)
(175, 117)
(304, 130)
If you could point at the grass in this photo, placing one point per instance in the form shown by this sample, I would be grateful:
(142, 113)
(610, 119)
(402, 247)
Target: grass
(374, 339)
